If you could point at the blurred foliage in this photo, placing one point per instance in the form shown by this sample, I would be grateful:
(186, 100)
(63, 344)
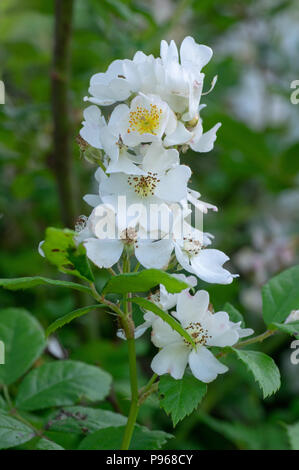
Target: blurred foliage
(252, 175)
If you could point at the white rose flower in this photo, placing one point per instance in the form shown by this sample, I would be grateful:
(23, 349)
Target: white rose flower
(206, 263)
(146, 120)
(205, 328)
(102, 136)
(109, 87)
(105, 241)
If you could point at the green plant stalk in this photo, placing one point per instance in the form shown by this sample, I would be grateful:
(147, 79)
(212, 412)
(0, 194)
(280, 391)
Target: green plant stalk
(134, 408)
(129, 329)
(256, 339)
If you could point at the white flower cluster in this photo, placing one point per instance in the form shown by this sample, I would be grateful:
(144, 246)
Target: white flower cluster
(155, 115)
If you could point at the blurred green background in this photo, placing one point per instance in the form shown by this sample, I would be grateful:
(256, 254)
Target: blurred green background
(252, 175)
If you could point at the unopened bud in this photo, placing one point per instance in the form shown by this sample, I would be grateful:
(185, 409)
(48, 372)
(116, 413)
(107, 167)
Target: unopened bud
(193, 122)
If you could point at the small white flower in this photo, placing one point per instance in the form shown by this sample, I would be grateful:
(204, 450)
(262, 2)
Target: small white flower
(183, 81)
(109, 87)
(161, 183)
(146, 120)
(205, 328)
(102, 136)
(194, 257)
(105, 249)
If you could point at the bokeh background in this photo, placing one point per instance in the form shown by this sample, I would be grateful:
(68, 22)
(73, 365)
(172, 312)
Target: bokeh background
(252, 175)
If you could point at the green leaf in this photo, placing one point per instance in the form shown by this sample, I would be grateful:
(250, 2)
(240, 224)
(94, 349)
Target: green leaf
(82, 420)
(61, 250)
(62, 383)
(46, 444)
(27, 282)
(60, 322)
(175, 325)
(293, 434)
(23, 340)
(264, 436)
(291, 328)
(180, 397)
(234, 314)
(281, 296)
(111, 439)
(263, 368)
(13, 432)
(143, 281)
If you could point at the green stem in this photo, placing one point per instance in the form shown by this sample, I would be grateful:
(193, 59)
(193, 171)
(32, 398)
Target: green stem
(7, 396)
(134, 408)
(102, 300)
(13, 411)
(256, 339)
(129, 328)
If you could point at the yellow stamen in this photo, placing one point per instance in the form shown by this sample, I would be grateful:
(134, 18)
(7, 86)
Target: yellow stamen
(144, 120)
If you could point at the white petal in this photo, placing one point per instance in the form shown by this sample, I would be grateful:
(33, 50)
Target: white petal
(191, 308)
(103, 253)
(119, 120)
(117, 183)
(205, 366)
(100, 175)
(169, 53)
(171, 360)
(124, 165)
(183, 259)
(93, 114)
(40, 248)
(208, 266)
(109, 142)
(92, 199)
(180, 136)
(193, 54)
(206, 142)
(154, 254)
(173, 186)
(243, 332)
(219, 327)
(137, 333)
(163, 334)
(158, 160)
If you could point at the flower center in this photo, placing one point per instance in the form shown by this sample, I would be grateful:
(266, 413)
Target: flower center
(81, 223)
(199, 334)
(144, 120)
(155, 298)
(192, 247)
(129, 236)
(144, 185)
